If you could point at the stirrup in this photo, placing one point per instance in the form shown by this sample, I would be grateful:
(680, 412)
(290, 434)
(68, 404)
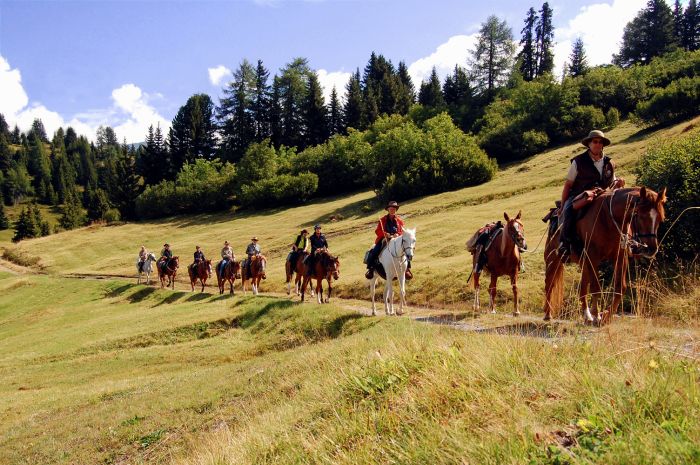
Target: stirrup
(409, 275)
(369, 274)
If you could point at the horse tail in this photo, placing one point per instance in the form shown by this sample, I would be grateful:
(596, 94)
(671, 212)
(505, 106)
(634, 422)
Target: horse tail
(554, 278)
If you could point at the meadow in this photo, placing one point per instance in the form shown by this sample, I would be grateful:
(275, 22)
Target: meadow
(107, 371)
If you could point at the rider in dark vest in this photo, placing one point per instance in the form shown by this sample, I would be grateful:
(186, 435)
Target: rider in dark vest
(389, 226)
(588, 170)
(300, 245)
(198, 256)
(317, 241)
(165, 255)
(251, 251)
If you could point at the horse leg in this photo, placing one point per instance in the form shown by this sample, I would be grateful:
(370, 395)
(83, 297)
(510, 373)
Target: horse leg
(492, 293)
(477, 304)
(330, 289)
(389, 295)
(587, 275)
(402, 291)
(620, 286)
(372, 288)
(319, 290)
(514, 284)
(304, 284)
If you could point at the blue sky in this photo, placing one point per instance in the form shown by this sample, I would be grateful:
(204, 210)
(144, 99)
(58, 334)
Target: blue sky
(133, 63)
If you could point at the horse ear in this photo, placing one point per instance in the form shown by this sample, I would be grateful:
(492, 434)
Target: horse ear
(505, 215)
(643, 193)
(520, 212)
(662, 196)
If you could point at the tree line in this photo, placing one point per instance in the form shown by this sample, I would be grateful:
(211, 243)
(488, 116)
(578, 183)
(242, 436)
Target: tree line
(273, 140)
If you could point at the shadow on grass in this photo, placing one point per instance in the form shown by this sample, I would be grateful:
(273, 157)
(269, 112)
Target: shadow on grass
(249, 318)
(117, 291)
(198, 296)
(141, 294)
(335, 328)
(174, 297)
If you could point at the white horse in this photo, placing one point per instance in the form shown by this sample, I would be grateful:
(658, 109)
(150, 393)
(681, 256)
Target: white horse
(147, 267)
(394, 258)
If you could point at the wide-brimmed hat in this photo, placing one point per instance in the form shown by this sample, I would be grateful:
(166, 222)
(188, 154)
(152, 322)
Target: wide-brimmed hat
(166, 245)
(225, 242)
(596, 134)
(393, 203)
(197, 247)
(317, 226)
(254, 238)
(304, 231)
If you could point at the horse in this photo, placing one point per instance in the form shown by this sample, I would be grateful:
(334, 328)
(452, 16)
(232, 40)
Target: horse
(146, 268)
(298, 268)
(231, 271)
(170, 272)
(502, 259)
(394, 258)
(257, 272)
(201, 271)
(327, 267)
(617, 224)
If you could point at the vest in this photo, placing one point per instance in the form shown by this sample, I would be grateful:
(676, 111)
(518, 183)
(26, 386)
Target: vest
(301, 242)
(587, 176)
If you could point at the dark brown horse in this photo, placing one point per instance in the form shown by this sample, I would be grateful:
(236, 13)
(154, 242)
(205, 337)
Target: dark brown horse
(257, 272)
(327, 267)
(617, 224)
(298, 268)
(502, 259)
(199, 271)
(231, 271)
(170, 272)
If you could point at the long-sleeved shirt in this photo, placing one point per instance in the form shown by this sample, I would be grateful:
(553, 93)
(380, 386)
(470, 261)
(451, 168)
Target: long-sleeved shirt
(318, 241)
(252, 249)
(227, 252)
(388, 225)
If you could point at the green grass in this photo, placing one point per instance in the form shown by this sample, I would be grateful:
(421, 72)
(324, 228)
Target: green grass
(101, 371)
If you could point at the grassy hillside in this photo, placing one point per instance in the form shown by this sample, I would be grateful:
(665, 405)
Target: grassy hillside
(101, 371)
(444, 223)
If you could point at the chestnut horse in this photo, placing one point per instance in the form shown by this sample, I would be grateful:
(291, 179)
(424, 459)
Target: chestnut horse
(231, 271)
(503, 259)
(327, 267)
(298, 268)
(257, 272)
(170, 272)
(201, 271)
(617, 224)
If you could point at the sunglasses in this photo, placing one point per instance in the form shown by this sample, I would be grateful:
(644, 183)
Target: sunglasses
(596, 141)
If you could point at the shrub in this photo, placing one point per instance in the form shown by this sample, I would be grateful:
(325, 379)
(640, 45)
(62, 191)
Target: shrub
(280, 189)
(535, 141)
(112, 215)
(612, 118)
(679, 100)
(675, 164)
(582, 119)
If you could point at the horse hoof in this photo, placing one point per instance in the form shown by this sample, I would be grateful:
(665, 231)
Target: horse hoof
(516, 313)
(547, 318)
(493, 312)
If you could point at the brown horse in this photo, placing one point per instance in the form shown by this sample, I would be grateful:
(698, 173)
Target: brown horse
(170, 272)
(327, 267)
(298, 268)
(231, 271)
(617, 224)
(502, 259)
(257, 272)
(201, 271)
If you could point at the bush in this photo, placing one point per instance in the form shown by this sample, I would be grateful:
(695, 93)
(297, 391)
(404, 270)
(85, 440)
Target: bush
(581, 120)
(410, 161)
(535, 141)
(675, 164)
(612, 118)
(681, 99)
(112, 215)
(278, 190)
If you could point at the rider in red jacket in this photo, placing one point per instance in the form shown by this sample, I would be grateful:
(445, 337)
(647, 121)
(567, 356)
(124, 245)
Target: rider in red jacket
(389, 226)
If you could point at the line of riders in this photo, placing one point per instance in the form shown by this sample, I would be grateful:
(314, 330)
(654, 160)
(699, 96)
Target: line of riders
(590, 173)
(389, 226)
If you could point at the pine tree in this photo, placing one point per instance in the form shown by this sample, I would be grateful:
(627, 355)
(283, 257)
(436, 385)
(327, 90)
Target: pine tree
(25, 226)
(315, 127)
(526, 57)
(354, 110)
(430, 94)
(39, 166)
(276, 113)
(648, 35)
(16, 136)
(39, 131)
(129, 186)
(97, 203)
(260, 107)
(152, 157)
(492, 57)
(544, 38)
(459, 98)
(73, 216)
(41, 224)
(406, 90)
(62, 172)
(678, 22)
(192, 133)
(293, 89)
(235, 112)
(5, 154)
(579, 65)
(4, 221)
(335, 116)
(691, 27)
(4, 127)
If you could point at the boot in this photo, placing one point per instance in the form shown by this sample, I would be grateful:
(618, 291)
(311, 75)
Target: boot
(409, 275)
(369, 274)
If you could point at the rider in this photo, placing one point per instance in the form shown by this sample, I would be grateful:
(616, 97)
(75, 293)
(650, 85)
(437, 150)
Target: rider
(198, 256)
(300, 245)
(389, 227)
(589, 170)
(318, 241)
(226, 256)
(165, 255)
(252, 250)
(143, 256)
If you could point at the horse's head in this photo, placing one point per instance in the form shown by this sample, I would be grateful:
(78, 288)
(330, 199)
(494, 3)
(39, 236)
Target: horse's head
(408, 242)
(331, 264)
(647, 216)
(262, 263)
(516, 230)
(174, 263)
(151, 257)
(208, 263)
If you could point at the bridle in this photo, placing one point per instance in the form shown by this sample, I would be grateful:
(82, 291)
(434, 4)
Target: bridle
(625, 239)
(403, 247)
(518, 228)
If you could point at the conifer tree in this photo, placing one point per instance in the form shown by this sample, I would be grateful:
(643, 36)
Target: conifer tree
(544, 37)
(129, 186)
(39, 166)
(38, 130)
(4, 221)
(579, 64)
(315, 117)
(72, 212)
(430, 94)
(97, 203)
(406, 90)
(4, 127)
(293, 89)
(491, 59)
(678, 22)
(691, 27)
(235, 112)
(25, 226)
(152, 157)
(16, 136)
(192, 133)
(648, 35)
(526, 57)
(63, 175)
(260, 107)
(275, 113)
(459, 98)
(38, 220)
(335, 116)
(354, 111)
(5, 154)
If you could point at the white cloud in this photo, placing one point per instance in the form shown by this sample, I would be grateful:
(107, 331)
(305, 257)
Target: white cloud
(600, 26)
(217, 75)
(339, 79)
(130, 115)
(453, 52)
